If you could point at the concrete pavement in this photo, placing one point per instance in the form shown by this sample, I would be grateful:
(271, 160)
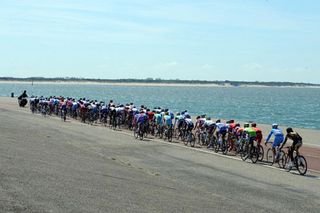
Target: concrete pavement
(53, 166)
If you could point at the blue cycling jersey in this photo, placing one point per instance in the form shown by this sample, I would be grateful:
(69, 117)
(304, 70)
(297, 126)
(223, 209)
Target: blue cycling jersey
(278, 135)
(168, 119)
(221, 127)
(158, 118)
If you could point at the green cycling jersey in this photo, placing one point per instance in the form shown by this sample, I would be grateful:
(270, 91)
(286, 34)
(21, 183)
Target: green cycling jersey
(251, 132)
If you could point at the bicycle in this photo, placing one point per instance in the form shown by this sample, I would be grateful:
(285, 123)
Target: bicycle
(168, 134)
(279, 157)
(260, 151)
(202, 137)
(139, 131)
(189, 138)
(63, 114)
(159, 131)
(249, 151)
(221, 143)
(299, 162)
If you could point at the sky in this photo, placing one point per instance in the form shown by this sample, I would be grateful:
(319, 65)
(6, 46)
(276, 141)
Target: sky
(241, 40)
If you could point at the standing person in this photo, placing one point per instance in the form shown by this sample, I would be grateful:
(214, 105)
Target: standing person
(23, 95)
(297, 143)
(22, 99)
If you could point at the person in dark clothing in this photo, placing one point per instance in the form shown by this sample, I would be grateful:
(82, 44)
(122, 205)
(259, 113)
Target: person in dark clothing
(22, 99)
(23, 95)
(297, 143)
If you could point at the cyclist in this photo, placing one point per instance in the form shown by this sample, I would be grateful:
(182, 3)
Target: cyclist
(178, 121)
(200, 122)
(209, 126)
(258, 132)
(167, 120)
(278, 138)
(158, 122)
(251, 134)
(188, 123)
(297, 143)
(231, 138)
(140, 120)
(221, 130)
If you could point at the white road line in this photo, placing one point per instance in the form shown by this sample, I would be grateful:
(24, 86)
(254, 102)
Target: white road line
(271, 167)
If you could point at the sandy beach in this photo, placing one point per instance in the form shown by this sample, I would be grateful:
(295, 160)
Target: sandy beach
(144, 84)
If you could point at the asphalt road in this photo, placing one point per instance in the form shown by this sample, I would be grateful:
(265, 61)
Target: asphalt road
(47, 165)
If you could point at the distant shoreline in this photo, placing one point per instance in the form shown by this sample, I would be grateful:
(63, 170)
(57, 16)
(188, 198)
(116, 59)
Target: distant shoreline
(128, 83)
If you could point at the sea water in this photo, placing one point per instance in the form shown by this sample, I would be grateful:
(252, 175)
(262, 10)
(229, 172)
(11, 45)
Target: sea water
(296, 107)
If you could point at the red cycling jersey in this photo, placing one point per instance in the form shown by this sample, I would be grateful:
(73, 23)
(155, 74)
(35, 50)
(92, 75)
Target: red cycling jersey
(259, 134)
(150, 115)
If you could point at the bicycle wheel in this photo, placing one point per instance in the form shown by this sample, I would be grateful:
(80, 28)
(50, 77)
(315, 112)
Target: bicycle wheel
(170, 135)
(261, 153)
(192, 139)
(244, 154)
(270, 157)
(301, 164)
(135, 133)
(141, 134)
(165, 134)
(225, 147)
(216, 146)
(176, 133)
(254, 154)
(282, 159)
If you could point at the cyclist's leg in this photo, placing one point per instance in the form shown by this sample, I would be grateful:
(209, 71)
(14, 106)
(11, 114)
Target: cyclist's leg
(251, 139)
(290, 152)
(297, 146)
(275, 144)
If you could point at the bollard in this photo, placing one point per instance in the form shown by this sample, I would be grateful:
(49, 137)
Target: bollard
(12, 95)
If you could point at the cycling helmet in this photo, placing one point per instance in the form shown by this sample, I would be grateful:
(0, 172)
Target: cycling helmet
(178, 113)
(246, 125)
(218, 121)
(203, 116)
(230, 121)
(289, 129)
(274, 126)
(209, 118)
(188, 116)
(253, 125)
(237, 125)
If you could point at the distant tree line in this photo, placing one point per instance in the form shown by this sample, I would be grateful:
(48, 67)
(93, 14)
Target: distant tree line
(158, 80)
